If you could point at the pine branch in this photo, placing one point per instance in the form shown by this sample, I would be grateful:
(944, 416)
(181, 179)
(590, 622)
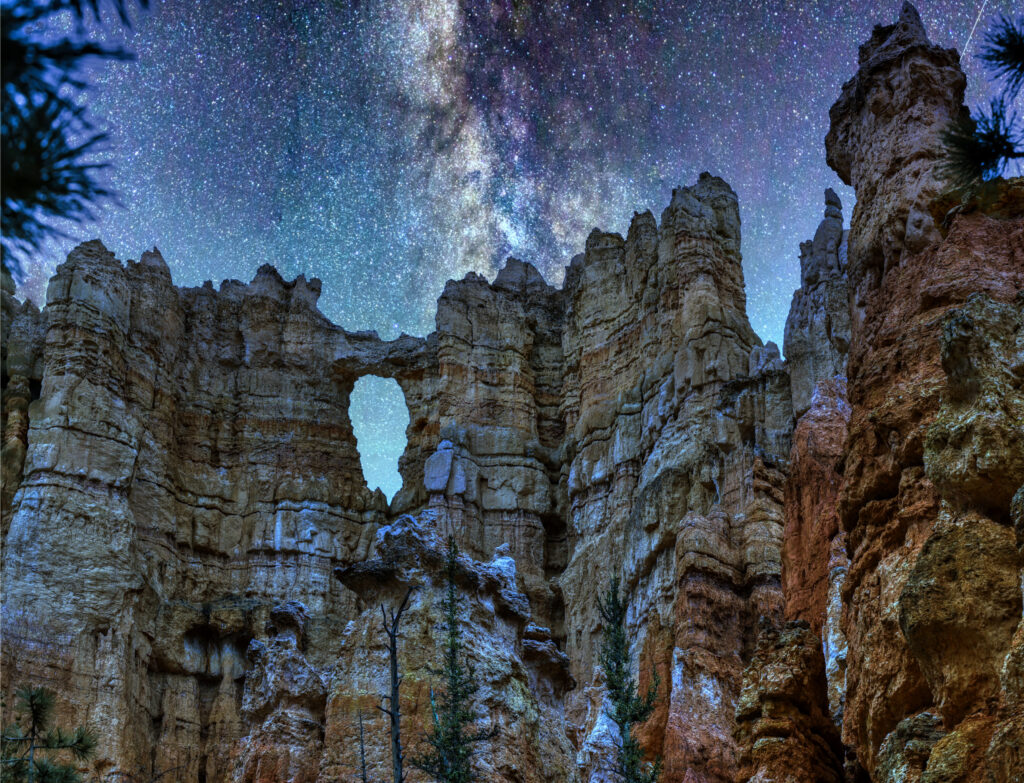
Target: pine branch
(1003, 53)
(978, 148)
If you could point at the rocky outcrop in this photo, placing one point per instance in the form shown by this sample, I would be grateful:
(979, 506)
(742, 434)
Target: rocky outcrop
(195, 445)
(883, 139)
(785, 733)
(677, 429)
(522, 675)
(814, 559)
(22, 331)
(905, 276)
(961, 607)
(817, 336)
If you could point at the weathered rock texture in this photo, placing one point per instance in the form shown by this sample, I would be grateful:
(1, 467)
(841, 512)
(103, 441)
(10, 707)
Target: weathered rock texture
(677, 428)
(193, 561)
(925, 541)
(817, 336)
(814, 560)
(194, 448)
(786, 734)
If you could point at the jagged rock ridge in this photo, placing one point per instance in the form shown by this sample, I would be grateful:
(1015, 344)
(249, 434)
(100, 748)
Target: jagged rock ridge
(193, 560)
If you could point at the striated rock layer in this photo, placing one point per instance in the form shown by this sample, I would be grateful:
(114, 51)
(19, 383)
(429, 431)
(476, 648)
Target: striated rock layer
(193, 447)
(822, 558)
(931, 460)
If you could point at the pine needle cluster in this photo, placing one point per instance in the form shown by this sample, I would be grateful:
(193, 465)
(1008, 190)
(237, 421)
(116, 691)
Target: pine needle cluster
(980, 146)
(628, 708)
(28, 744)
(452, 736)
(48, 172)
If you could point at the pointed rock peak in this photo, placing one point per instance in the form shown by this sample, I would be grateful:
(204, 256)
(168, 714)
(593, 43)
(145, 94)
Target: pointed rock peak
(599, 240)
(152, 258)
(889, 40)
(92, 248)
(910, 17)
(268, 271)
(833, 206)
(518, 275)
(92, 252)
(642, 221)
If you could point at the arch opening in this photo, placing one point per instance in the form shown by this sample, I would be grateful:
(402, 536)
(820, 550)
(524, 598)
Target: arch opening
(379, 418)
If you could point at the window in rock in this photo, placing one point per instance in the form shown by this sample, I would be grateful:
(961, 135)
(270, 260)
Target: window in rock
(379, 420)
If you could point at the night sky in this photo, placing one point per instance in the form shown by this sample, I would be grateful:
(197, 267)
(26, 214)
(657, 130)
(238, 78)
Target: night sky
(386, 146)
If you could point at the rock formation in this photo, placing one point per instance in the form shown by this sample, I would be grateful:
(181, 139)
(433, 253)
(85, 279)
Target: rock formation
(196, 445)
(904, 538)
(785, 733)
(677, 429)
(818, 327)
(822, 557)
(814, 560)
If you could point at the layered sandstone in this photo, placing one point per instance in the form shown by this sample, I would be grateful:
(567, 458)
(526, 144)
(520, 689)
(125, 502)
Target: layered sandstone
(195, 445)
(814, 559)
(677, 431)
(905, 276)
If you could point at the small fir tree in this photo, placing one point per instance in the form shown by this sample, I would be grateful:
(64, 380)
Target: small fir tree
(452, 737)
(31, 745)
(980, 146)
(628, 708)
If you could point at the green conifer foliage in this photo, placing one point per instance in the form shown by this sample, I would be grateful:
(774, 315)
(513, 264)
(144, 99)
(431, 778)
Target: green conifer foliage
(452, 737)
(32, 746)
(980, 146)
(48, 169)
(628, 708)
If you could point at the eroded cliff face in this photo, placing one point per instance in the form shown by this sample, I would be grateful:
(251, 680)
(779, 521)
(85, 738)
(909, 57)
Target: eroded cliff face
(821, 557)
(925, 482)
(677, 431)
(195, 563)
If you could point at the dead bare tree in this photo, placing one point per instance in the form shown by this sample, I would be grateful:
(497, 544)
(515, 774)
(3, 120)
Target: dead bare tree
(390, 623)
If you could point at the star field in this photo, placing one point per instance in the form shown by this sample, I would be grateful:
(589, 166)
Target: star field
(386, 146)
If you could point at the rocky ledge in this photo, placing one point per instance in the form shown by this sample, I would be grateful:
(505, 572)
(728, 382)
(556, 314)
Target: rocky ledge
(821, 556)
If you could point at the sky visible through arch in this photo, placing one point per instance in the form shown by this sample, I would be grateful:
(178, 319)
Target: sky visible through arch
(379, 420)
(386, 146)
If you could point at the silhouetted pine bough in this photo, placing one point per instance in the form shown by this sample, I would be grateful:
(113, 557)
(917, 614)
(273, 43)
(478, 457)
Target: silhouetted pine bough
(1003, 53)
(628, 708)
(47, 169)
(391, 621)
(451, 738)
(979, 147)
(31, 745)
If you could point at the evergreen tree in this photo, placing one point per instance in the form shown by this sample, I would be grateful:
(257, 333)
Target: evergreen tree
(451, 738)
(26, 741)
(979, 147)
(47, 169)
(628, 708)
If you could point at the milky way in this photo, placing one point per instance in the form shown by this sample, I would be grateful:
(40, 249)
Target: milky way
(386, 146)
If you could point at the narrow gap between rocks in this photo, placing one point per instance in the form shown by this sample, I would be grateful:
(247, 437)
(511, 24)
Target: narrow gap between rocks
(380, 418)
